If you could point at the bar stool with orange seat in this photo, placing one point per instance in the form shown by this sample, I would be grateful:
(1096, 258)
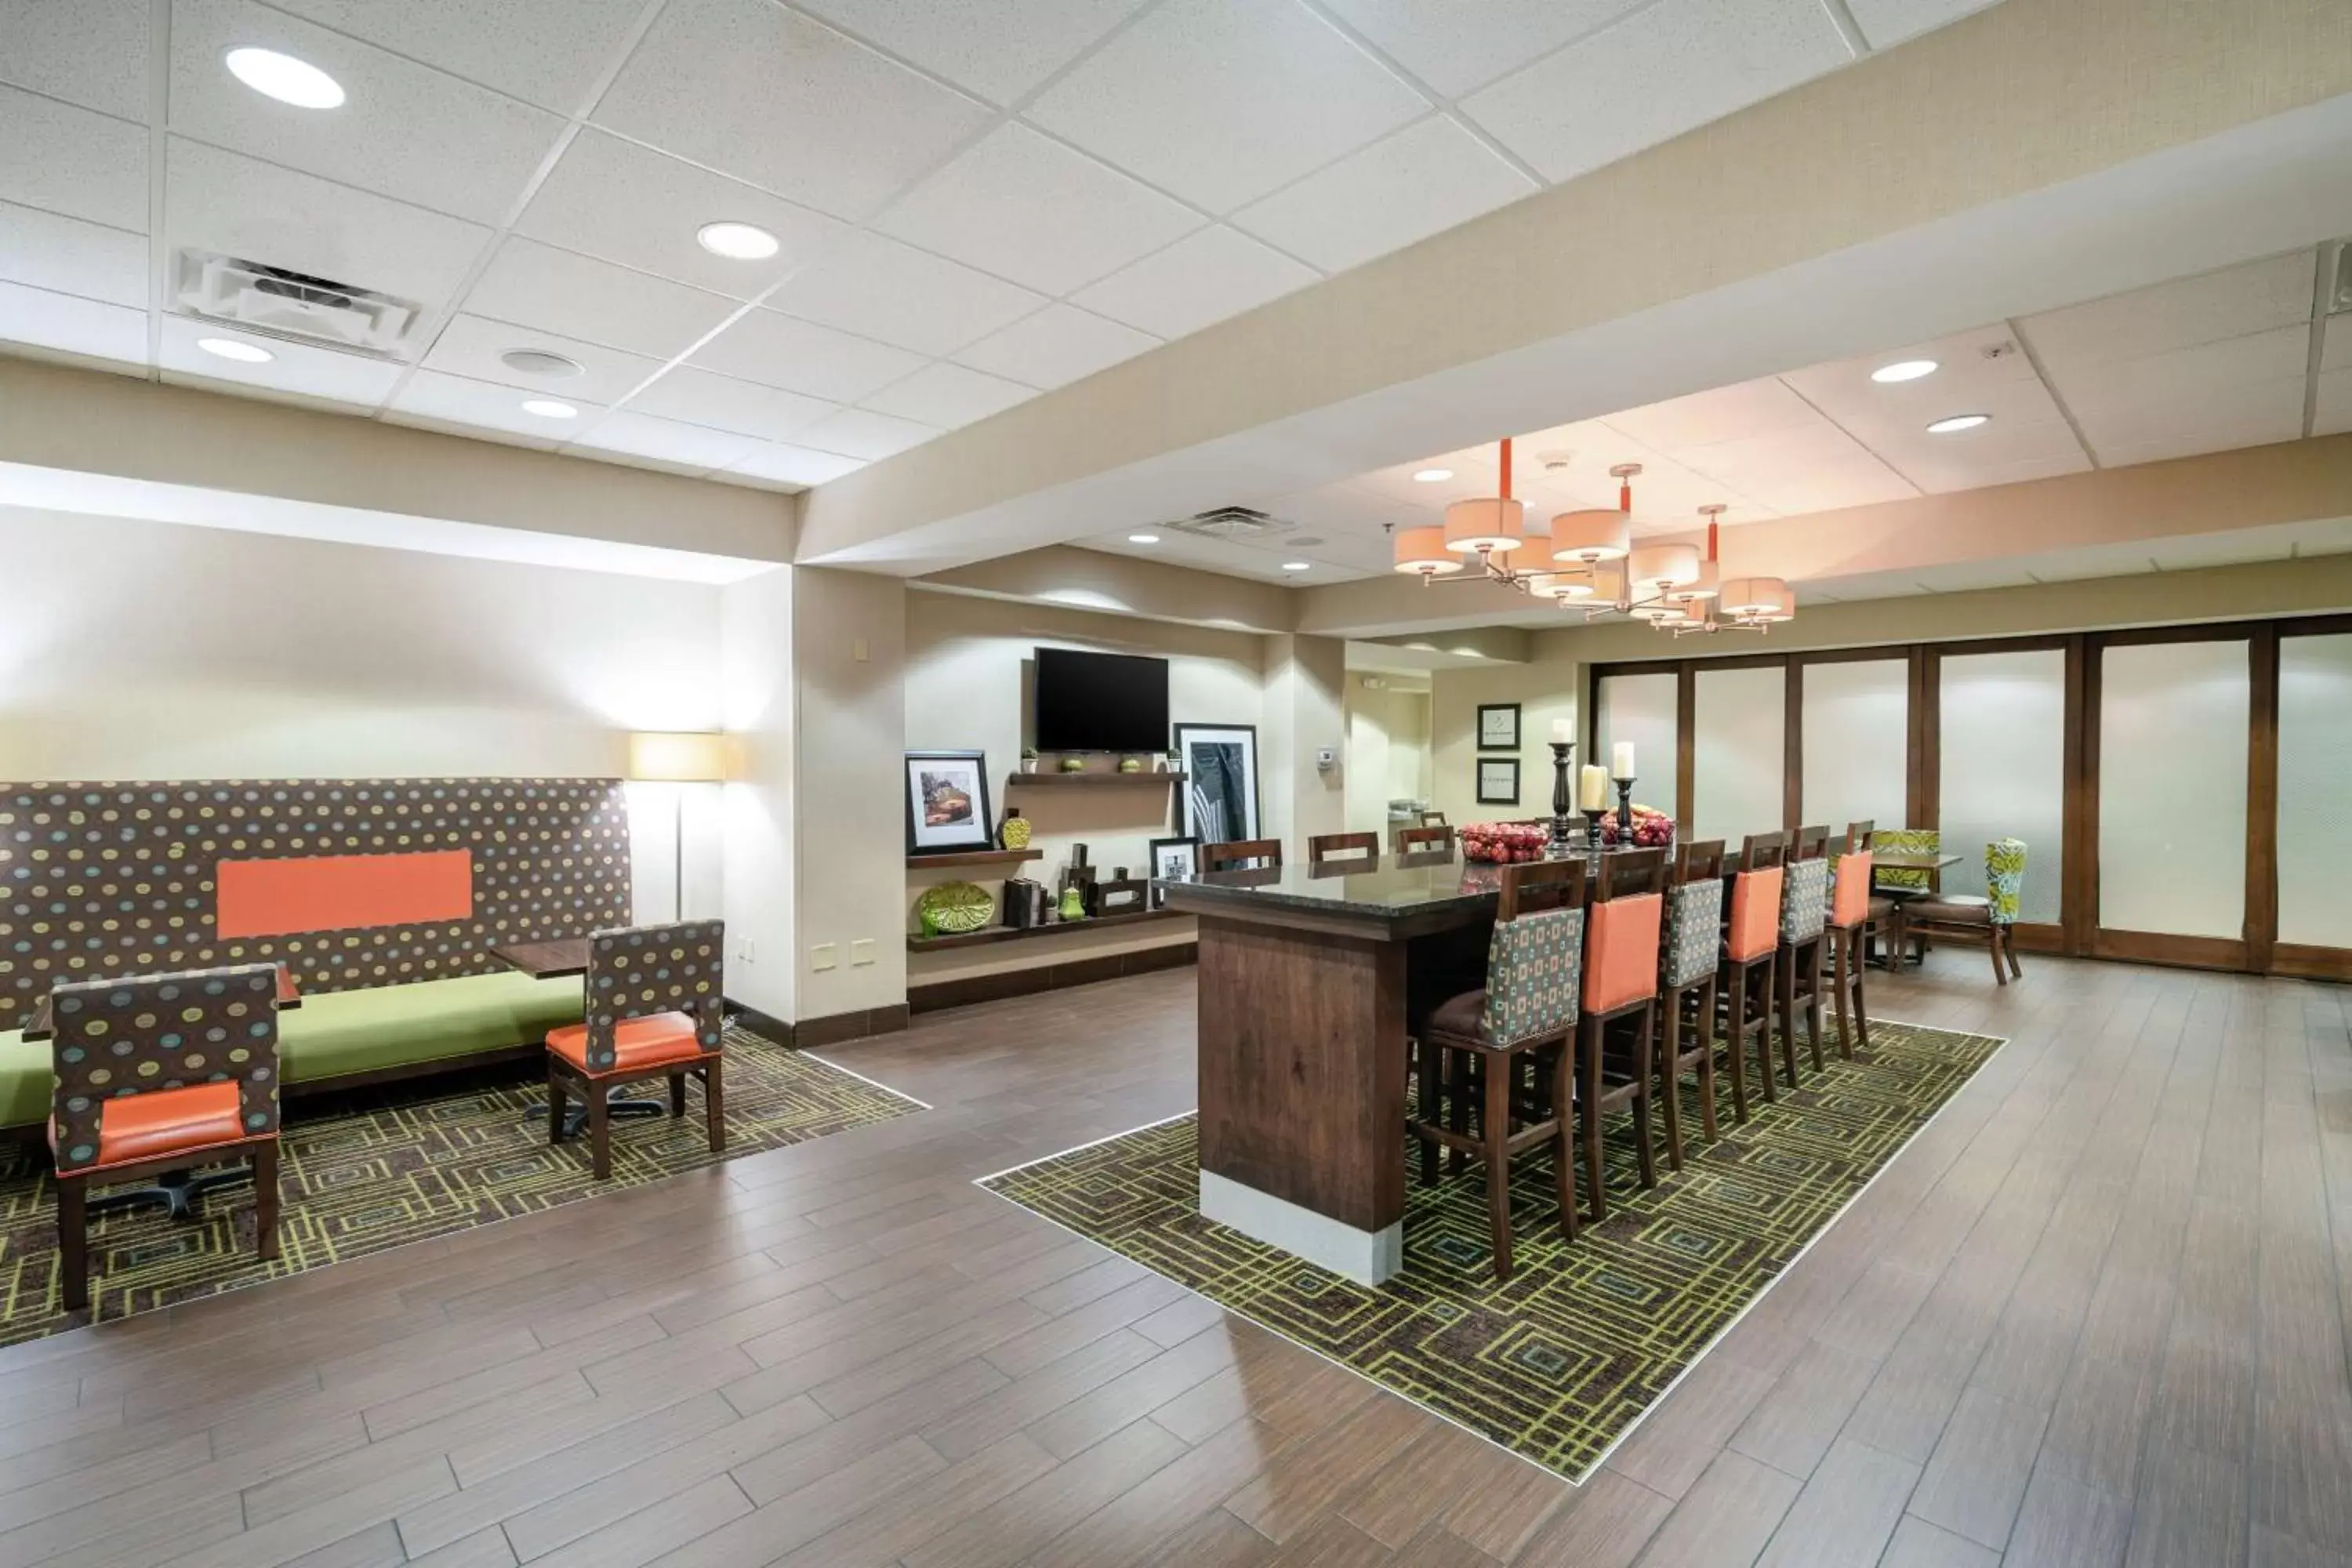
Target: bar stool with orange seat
(1804, 912)
(1751, 945)
(654, 1009)
(161, 1073)
(1686, 979)
(1853, 909)
(1621, 929)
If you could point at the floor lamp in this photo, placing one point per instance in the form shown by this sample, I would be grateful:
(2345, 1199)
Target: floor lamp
(678, 758)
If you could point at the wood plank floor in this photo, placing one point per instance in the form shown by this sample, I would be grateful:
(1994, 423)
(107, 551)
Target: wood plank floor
(2095, 1315)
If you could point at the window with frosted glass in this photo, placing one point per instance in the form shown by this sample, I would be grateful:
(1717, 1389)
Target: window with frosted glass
(1641, 708)
(2172, 788)
(1740, 753)
(1858, 742)
(2003, 770)
(2315, 759)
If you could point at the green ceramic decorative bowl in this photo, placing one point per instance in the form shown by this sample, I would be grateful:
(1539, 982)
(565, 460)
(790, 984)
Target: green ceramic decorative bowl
(954, 909)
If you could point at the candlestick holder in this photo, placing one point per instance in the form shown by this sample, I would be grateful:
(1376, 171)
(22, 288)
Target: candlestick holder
(1593, 834)
(1563, 799)
(1625, 813)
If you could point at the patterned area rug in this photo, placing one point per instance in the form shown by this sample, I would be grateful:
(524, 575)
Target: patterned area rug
(1560, 1363)
(376, 1169)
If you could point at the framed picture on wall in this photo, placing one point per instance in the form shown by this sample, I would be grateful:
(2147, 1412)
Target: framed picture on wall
(947, 802)
(1220, 792)
(1498, 727)
(1172, 859)
(1499, 781)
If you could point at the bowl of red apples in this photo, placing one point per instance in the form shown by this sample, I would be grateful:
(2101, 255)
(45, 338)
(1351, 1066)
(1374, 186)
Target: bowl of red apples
(1651, 829)
(1502, 843)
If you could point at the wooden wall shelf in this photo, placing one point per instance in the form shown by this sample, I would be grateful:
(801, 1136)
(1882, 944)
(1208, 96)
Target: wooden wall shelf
(1018, 934)
(973, 858)
(1095, 780)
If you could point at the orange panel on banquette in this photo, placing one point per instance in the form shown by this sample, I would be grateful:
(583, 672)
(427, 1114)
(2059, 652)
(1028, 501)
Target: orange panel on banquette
(339, 892)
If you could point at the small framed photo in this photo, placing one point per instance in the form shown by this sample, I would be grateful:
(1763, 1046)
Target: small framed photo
(1499, 781)
(1172, 859)
(1498, 727)
(947, 802)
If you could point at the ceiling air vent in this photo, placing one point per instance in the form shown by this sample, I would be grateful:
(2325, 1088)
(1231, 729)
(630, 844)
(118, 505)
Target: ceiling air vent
(1236, 523)
(265, 299)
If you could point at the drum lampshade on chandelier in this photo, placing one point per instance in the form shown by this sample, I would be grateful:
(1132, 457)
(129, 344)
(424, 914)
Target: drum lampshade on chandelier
(1588, 561)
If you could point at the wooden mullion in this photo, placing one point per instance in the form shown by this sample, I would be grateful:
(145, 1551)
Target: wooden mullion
(1926, 727)
(1792, 742)
(1686, 746)
(2261, 927)
(2079, 853)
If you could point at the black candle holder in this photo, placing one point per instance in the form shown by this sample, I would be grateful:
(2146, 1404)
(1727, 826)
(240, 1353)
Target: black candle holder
(1593, 834)
(1563, 799)
(1625, 813)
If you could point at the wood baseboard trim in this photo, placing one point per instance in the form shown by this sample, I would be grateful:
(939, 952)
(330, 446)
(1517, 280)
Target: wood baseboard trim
(812, 1034)
(966, 990)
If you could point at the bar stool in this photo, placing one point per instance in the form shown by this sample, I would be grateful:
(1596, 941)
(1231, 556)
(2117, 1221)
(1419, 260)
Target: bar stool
(1475, 1043)
(1686, 977)
(1346, 846)
(1853, 911)
(1804, 912)
(1423, 840)
(1621, 929)
(1750, 950)
(1263, 854)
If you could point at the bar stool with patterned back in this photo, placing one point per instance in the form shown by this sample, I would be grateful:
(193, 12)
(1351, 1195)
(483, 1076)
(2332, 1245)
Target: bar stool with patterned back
(1990, 918)
(1427, 839)
(1433, 819)
(161, 1073)
(1751, 943)
(1855, 908)
(1324, 846)
(1686, 978)
(1475, 1045)
(654, 1009)
(1239, 854)
(1623, 927)
(1804, 916)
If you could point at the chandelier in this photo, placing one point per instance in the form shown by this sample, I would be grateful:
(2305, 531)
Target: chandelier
(1588, 562)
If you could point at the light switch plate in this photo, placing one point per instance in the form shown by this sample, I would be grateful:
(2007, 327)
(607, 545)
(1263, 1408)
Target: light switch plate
(823, 956)
(861, 951)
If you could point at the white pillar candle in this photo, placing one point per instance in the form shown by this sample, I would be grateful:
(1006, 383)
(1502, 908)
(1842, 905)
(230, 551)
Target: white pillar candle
(1563, 732)
(1592, 788)
(1621, 759)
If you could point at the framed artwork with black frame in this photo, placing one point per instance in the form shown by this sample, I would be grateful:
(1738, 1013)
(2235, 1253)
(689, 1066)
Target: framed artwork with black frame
(1221, 788)
(1499, 781)
(1172, 858)
(1498, 726)
(947, 803)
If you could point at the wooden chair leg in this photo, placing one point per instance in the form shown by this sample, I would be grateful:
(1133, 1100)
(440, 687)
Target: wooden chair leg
(678, 1096)
(714, 1102)
(1992, 950)
(1588, 1095)
(1563, 1137)
(1669, 1075)
(1460, 1067)
(265, 1201)
(1644, 1040)
(2009, 950)
(600, 1131)
(1813, 1000)
(73, 1243)
(1735, 1020)
(1707, 1062)
(1762, 971)
(1432, 1104)
(555, 1106)
(1784, 1000)
(1494, 1144)
(1842, 953)
(1861, 1010)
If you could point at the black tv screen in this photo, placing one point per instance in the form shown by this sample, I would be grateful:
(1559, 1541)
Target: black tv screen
(1100, 701)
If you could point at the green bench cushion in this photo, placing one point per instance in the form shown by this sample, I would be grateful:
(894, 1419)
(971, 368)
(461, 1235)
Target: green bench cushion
(347, 1032)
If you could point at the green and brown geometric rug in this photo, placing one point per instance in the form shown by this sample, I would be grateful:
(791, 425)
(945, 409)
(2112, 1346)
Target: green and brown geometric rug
(379, 1168)
(1558, 1364)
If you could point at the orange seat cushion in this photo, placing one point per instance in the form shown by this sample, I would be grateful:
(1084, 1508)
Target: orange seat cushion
(1620, 951)
(1756, 913)
(1852, 898)
(159, 1123)
(650, 1041)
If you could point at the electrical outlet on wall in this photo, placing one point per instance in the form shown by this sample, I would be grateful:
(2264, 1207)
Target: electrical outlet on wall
(821, 956)
(743, 950)
(861, 951)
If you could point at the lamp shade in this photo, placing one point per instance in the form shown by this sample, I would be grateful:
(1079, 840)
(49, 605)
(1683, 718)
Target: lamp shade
(1597, 534)
(1660, 566)
(677, 757)
(1703, 586)
(1422, 552)
(1494, 524)
(1759, 599)
(1564, 585)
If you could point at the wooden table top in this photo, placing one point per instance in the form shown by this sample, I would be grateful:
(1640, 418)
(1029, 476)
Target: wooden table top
(40, 1026)
(1910, 861)
(556, 960)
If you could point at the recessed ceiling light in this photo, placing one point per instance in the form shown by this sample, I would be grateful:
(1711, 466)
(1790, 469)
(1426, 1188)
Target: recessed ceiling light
(539, 362)
(1297, 566)
(285, 78)
(230, 348)
(1143, 539)
(737, 241)
(1903, 370)
(1958, 423)
(547, 408)
(1432, 476)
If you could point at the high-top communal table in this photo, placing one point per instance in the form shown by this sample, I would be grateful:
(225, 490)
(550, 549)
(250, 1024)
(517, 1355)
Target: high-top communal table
(1310, 978)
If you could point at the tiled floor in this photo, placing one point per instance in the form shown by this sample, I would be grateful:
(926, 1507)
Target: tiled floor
(2096, 1314)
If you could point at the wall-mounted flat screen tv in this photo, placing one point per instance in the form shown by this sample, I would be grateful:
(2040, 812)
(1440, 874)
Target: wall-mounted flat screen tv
(1100, 701)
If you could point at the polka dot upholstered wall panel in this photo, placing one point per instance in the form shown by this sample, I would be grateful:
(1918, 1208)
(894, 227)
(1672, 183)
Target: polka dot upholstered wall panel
(98, 881)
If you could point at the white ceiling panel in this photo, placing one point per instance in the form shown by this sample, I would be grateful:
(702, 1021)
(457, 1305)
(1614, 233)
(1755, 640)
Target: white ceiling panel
(2202, 369)
(879, 288)
(1975, 371)
(1752, 408)
(2251, 415)
(797, 467)
(1200, 280)
(664, 443)
(2230, 303)
(546, 52)
(68, 324)
(2002, 453)
(998, 48)
(787, 103)
(49, 250)
(71, 161)
(1886, 23)
(1455, 52)
(859, 432)
(1426, 178)
(723, 403)
(91, 52)
(470, 347)
(2334, 413)
(1024, 206)
(479, 404)
(800, 356)
(537, 285)
(628, 204)
(948, 396)
(241, 206)
(2336, 347)
(294, 369)
(1223, 100)
(1058, 345)
(1818, 468)
(405, 131)
(1661, 72)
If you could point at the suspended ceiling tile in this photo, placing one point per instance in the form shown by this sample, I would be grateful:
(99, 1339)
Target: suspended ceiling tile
(296, 369)
(68, 324)
(2199, 372)
(2254, 415)
(723, 403)
(470, 346)
(880, 288)
(66, 160)
(1223, 100)
(1661, 72)
(453, 400)
(546, 52)
(2335, 350)
(1200, 280)
(665, 444)
(1886, 23)
(2335, 410)
(1024, 206)
(90, 52)
(1970, 368)
(1058, 345)
(50, 250)
(624, 203)
(1000, 49)
(801, 356)
(538, 284)
(2257, 297)
(861, 432)
(1425, 178)
(948, 396)
(769, 96)
(1749, 409)
(795, 466)
(1453, 53)
(2061, 454)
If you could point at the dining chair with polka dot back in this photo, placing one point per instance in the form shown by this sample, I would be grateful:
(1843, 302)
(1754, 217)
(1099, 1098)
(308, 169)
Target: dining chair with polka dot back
(654, 1007)
(1804, 919)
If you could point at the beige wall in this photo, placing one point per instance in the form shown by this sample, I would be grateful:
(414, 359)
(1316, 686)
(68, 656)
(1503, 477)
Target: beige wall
(1545, 690)
(763, 848)
(1305, 688)
(1388, 747)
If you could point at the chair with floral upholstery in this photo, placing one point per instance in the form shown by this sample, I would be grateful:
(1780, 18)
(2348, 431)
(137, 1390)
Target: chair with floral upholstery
(654, 1008)
(1686, 977)
(1991, 918)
